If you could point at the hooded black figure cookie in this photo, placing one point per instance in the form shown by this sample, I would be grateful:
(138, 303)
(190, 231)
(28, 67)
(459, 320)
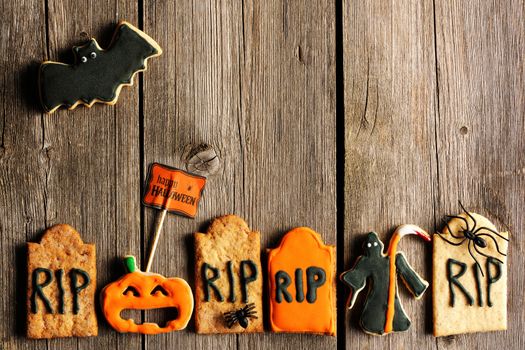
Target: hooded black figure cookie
(383, 312)
(97, 75)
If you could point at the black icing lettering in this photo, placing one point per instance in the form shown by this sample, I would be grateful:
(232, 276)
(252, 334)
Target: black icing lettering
(477, 272)
(229, 269)
(491, 279)
(59, 274)
(77, 288)
(207, 282)
(299, 292)
(245, 279)
(282, 281)
(37, 289)
(315, 278)
(453, 280)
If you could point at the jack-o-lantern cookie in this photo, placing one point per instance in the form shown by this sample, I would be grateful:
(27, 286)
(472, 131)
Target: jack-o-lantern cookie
(302, 284)
(228, 295)
(139, 290)
(469, 276)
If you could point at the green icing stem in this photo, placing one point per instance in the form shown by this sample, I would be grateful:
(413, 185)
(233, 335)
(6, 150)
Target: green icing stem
(130, 263)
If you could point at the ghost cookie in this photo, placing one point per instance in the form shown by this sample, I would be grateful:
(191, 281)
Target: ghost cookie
(383, 312)
(301, 272)
(62, 280)
(228, 275)
(469, 276)
(97, 75)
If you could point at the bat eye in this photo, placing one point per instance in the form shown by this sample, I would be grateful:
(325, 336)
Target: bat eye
(375, 244)
(93, 55)
(83, 59)
(369, 245)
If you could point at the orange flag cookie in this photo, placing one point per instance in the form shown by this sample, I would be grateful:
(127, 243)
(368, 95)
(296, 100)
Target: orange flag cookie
(302, 284)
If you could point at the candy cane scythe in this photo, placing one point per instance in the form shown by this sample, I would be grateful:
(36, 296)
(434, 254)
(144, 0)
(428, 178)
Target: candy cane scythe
(400, 232)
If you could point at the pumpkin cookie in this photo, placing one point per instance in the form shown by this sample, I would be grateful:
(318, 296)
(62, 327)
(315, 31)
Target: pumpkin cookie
(228, 278)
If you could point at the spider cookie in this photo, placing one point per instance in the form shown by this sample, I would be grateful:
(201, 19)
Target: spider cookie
(469, 276)
(97, 75)
(62, 279)
(228, 275)
(301, 271)
(383, 312)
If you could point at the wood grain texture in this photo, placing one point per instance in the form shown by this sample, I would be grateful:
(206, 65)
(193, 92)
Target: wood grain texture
(390, 101)
(480, 135)
(255, 81)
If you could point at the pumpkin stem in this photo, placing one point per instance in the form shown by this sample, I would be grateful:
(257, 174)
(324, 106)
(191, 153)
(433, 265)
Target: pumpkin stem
(130, 263)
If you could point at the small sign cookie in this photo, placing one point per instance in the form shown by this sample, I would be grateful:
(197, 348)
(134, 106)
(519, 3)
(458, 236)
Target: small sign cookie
(469, 276)
(228, 278)
(302, 284)
(61, 285)
(383, 312)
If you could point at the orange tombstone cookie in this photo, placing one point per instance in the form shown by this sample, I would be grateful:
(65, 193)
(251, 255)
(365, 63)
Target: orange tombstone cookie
(144, 291)
(302, 284)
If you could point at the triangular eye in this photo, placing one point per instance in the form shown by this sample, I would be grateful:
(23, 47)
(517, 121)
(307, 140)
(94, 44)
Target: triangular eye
(131, 291)
(159, 289)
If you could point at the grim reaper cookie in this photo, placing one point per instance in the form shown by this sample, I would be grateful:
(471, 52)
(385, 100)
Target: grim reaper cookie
(228, 278)
(62, 280)
(383, 312)
(469, 276)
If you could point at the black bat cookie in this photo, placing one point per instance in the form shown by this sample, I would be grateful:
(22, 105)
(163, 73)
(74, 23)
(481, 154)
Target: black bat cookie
(97, 75)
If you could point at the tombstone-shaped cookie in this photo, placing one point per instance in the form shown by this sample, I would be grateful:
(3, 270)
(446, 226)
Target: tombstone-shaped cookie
(469, 276)
(301, 271)
(61, 285)
(228, 278)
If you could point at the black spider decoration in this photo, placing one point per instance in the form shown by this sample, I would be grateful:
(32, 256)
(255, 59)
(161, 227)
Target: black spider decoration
(474, 236)
(241, 316)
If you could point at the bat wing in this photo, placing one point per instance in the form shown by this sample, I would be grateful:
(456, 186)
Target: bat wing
(99, 79)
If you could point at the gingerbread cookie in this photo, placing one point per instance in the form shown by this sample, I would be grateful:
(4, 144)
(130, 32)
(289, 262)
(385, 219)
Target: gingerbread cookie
(97, 75)
(228, 278)
(469, 276)
(383, 312)
(139, 290)
(62, 282)
(302, 284)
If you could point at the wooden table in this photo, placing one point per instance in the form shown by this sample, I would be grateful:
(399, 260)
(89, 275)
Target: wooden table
(344, 116)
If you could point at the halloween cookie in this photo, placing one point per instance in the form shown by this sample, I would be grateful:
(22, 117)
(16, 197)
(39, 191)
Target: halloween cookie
(62, 281)
(97, 75)
(383, 312)
(469, 276)
(301, 272)
(139, 290)
(228, 278)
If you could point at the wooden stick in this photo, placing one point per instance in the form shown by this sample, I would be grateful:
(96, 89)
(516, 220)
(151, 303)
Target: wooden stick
(156, 236)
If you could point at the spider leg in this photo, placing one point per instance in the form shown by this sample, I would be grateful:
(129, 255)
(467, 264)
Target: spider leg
(461, 218)
(249, 307)
(251, 313)
(450, 231)
(446, 240)
(473, 257)
(475, 223)
(487, 256)
(488, 229)
(493, 239)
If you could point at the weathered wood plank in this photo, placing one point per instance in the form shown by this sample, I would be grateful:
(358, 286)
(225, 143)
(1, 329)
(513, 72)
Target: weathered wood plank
(390, 101)
(92, 167)
(481, 133)
(22, 161)
(257, 83)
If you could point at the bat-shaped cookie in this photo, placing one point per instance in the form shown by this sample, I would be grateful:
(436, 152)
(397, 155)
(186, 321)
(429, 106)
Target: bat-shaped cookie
(97, 75)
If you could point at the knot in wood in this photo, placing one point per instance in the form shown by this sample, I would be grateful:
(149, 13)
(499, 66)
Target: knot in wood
(202, 160)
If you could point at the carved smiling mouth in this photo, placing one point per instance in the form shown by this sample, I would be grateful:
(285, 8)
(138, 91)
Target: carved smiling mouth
(160, 316)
